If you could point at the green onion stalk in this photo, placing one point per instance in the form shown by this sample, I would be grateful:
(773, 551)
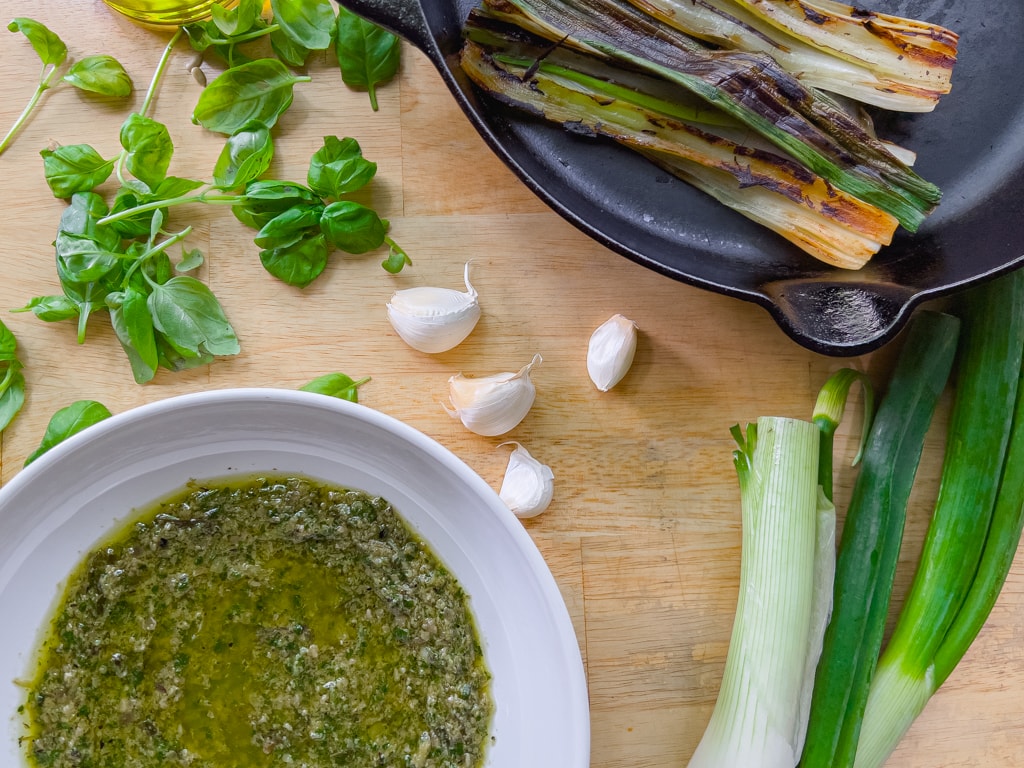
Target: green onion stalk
(872, 536)
(786, 577)
(976, 524)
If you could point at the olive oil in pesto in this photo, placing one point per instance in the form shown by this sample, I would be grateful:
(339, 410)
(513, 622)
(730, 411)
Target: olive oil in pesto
(272, 622)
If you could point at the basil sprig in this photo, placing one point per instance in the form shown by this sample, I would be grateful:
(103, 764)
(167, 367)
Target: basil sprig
(115, 258)
(161, 316)
(367, 54)
(98, 74)
(298, 226)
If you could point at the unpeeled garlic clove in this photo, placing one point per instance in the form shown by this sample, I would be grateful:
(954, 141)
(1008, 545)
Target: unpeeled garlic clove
(434, 319)
(528, 485)
(492, 405)
(611, 351)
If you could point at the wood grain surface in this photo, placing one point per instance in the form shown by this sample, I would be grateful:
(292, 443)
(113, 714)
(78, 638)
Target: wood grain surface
(643, 535)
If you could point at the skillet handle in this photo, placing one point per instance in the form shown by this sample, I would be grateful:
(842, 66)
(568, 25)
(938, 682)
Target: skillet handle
(403, 17)
(837, 318)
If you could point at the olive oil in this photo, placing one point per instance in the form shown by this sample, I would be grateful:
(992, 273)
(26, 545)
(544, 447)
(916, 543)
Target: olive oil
(167, 13)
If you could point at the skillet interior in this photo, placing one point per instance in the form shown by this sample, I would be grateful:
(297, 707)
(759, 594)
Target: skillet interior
(972, 146)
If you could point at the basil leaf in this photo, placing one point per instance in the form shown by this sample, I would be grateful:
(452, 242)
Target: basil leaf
(290, 226)
(298, 263)
(267, 199)
(100, 74)
(367, 54)
(174, 186)
(8, 344)
(12, 382)
(245, 157)
(81, 216)
(287, 50)
(87, 271)
(279, 192)
(133, 325)
(159, 267)
(74, 168)
(190, 260)
(177, 360)
(397, 259)
(310, 23)
(238, 20)
(336, 385)
(136, 225)
(339, 167)
(201, 34)
(51, 308)
(12, 394)
(87, 297)
(83, 260)
(149, 148)
(352, 227)
(68, 421)
(189, 316)
(155, 226)
(51, 49)
(256, 92)
(83, 211)
(137, 187)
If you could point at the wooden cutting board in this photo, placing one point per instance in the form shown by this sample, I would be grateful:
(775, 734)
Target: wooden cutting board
(643, 535)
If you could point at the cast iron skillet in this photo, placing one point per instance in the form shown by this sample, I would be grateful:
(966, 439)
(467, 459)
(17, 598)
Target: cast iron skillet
(972, 146)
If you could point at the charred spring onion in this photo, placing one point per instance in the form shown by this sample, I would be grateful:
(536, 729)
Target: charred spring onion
(782, 152)
(914, 52)
(894, 63)
(694, 144)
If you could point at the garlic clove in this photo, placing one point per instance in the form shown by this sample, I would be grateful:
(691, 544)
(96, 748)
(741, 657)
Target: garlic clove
(528, 485)
(611, 351)
(492, 405)
(434, 319)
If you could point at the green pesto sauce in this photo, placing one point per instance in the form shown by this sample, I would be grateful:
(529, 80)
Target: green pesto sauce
(271, 622)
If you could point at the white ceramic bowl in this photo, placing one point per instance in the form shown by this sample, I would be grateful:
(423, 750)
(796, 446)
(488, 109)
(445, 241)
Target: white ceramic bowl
(54, 510)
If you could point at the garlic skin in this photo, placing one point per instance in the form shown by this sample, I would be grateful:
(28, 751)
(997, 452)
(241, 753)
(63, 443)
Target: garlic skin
(528, 485)
(434, 320)
(492, 405)
(611, 351)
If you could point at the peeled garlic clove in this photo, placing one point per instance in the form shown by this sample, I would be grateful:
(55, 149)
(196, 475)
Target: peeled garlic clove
(528, 485)
(434, 319)
(611, 351)
(492, 405)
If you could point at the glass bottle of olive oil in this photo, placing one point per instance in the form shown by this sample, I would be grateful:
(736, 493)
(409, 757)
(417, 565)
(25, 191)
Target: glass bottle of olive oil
(167, 13)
